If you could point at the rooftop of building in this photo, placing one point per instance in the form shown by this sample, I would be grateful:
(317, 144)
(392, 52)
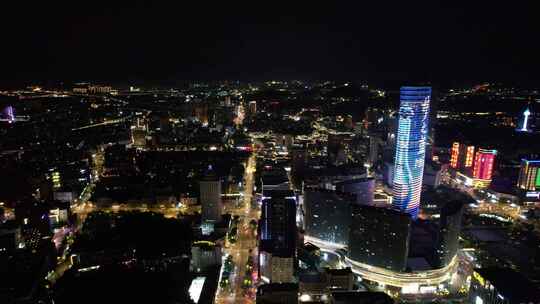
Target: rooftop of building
(205, 245)
(338, 170)
(338, 272)
(386, 210)
(356, 180)
(362, 297)
(274, 176)
(343, 195)
(278, 194)
(274, 180)
(311, 277)
(277, 287)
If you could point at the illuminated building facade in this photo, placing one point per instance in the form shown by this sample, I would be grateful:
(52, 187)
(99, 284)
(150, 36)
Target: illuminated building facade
(278, 222)
(469, 155)
(462, 157)
(454, 156)
(474, 165)
(277, 231)
(210, 196)
(529, 175)
(483, 167)
(56, 180)
(411, 148)
(528, 184)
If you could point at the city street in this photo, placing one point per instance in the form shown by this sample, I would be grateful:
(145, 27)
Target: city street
(247, 240)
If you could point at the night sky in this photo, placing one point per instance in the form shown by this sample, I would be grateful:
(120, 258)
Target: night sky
(257, 40)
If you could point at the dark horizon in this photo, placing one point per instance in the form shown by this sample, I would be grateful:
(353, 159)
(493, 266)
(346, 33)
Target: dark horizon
(378, 43)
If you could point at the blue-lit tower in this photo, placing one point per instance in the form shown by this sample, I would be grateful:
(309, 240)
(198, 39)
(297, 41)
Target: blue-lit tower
(410, 148)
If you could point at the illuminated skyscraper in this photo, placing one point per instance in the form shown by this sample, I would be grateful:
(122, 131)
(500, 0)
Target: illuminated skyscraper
(483, 164)
(529, 175)
(455, 155)
(462, 156)
(469, 156)
(252, 108)
(210, 196)
(411, 148)
(277, 231)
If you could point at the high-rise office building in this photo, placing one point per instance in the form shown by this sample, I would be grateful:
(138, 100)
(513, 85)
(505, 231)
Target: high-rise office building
(448, 236)
(379, 237)
(362, 188)
(432, 174)
(10, 236)
(336, 148)
(462, 157)
(278, 222)
(210, 195)
(277, 230)
(411, 148)
(392, 126)
(328, 215)
(33, 218)
(252, 108)
(454, 155)
(277, 293)
(138, 137)
(299, 159)
(388, 173)
(205, 255)
(374, 143)
(164, 123)
(433, 109)
(529, 175)
(483, 167)
(475, 165)
(227, 101)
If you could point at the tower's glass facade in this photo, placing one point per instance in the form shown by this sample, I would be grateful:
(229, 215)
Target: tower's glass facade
(411, 148)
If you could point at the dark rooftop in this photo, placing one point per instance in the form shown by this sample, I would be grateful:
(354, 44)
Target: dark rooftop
(361, 297)
(343, 271)
(278, 193)
(510, 284)
(276, 287)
